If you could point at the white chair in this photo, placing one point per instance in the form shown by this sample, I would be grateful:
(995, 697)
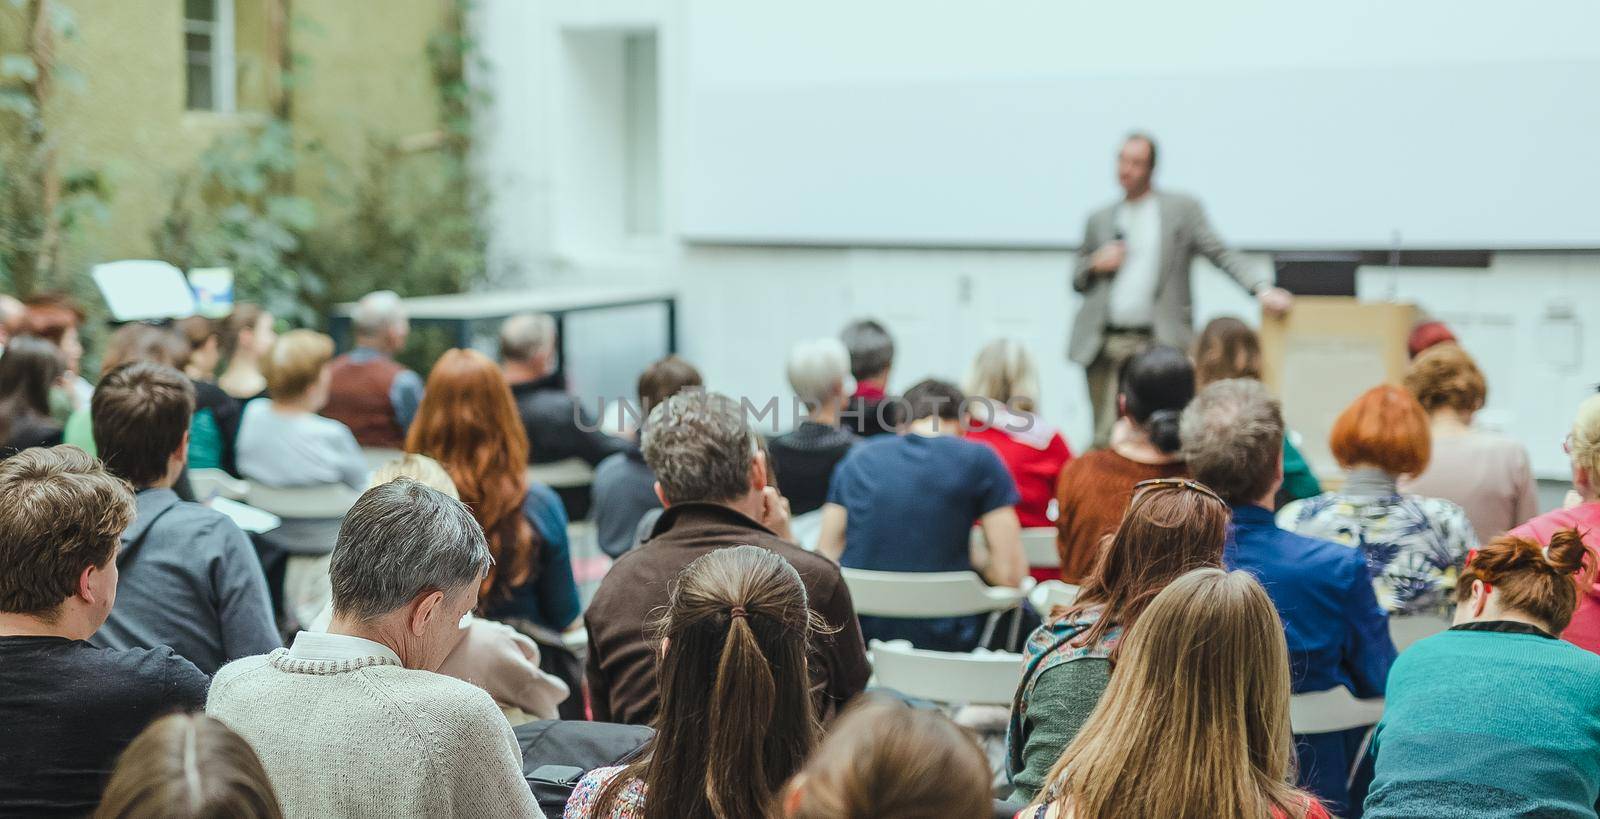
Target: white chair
(922, 595)
(563, 474)
(946, 677)
(1336, 709)
(214, 483)
(378, 456)
(1039, 544)
(1052, 593)
(1405, 629)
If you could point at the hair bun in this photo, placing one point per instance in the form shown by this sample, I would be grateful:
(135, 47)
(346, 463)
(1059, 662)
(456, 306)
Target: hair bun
(1162, 427)
(1566, 552)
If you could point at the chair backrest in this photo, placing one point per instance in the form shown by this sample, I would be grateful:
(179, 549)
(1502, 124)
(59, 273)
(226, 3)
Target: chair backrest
(1052, 593)
(1336, 709)
(1405, 629)
(325, 502)
(563, 474)
(947, 677)
(925, 594)
(1039, 544)
(378, 456)
(215, 483)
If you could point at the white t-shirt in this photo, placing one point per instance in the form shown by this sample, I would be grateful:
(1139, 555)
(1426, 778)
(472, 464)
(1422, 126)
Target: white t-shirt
(1133, 288)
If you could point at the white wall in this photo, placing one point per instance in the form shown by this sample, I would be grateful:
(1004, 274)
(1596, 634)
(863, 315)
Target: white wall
(741, 307)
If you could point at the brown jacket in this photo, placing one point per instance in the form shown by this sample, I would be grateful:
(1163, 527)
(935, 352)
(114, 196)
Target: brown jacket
(1091, 496)
(622, 652)
(358, 397)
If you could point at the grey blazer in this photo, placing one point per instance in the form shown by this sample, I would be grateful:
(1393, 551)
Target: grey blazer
(1185, 233)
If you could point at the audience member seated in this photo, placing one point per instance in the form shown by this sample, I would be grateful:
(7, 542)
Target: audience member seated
(803, 460)
(1528, 742)
(1095, 487)
(68, 707)
(468, 423)
(136, 341)
(907, 503)
(1338, 634)
(216, 414)
(1173, 526)
(1427, 334)
(884, 759)
(355, 722)
(189, 578)
(624, 488)
(558, 425)
(1031, 448)
(283, 441)
(28, 370)
(1196, 720)
(189, 766)
(248, 334)
(1228, 348)
(736, 717)
(1412, 544)
(1487, 474)
(1583, 448)
(712, 478)
(57, 318)
(870, 411)
(371, 393)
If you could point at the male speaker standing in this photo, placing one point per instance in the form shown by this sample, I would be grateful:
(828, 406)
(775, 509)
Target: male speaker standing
(1133, 273)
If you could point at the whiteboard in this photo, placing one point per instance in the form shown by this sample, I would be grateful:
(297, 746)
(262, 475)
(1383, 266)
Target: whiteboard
(1432, 124)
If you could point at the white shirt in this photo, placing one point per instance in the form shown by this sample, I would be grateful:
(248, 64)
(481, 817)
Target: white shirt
(1133, 288)
(316, 645)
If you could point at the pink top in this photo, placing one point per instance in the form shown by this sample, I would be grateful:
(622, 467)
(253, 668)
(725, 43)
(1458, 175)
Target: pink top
(1584, 630)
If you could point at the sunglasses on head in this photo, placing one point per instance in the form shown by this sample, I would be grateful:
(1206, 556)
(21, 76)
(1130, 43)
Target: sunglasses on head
(1181, 483)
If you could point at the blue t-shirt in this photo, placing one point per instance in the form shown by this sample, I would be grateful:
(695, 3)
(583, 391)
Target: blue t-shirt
(911, 502)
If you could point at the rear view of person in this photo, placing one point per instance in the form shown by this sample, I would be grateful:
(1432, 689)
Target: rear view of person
(736, 718)
(1497, 716)
(804, 459)
(369, 392)
(624, 485)
(283, 441)
(29, 369)
(1196, 720)
(1032, 449)
(1583, 449)
(908, 503)
(67, 708)
(870, 410)
(883, 759)
(189, 766)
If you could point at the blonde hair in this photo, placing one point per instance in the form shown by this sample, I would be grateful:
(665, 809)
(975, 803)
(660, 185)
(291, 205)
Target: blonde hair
(1585, 446)
(420, 468)
(818, 369)
(188, 765)
(1004, 372)
(295, 363)
(1445, 376)
(1195, 722)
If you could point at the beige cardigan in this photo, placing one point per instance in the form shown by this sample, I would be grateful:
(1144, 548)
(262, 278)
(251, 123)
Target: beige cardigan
(366, 737)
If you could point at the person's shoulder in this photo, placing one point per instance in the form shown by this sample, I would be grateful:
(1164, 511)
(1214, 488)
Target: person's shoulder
(197, 518)
(1179, 199)
(448, 698)
(542, 502)
(239, 669)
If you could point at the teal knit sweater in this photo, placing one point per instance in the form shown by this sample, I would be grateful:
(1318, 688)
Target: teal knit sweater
(1489, 724)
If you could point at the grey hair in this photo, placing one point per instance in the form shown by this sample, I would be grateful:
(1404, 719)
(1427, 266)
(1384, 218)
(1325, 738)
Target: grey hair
(700, 447)
(817, 369)
(1232, 435)
(1004, 372)
(376, 312)
(525, 334)
(399, 540)
(871, 348)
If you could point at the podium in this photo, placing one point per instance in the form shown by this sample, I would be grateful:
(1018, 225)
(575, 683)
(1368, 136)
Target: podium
(1326, 352)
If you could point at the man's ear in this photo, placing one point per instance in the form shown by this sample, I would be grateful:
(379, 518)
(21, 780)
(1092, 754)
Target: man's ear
(758, 472)
(662, 496)
(427, 606)
(86, 581)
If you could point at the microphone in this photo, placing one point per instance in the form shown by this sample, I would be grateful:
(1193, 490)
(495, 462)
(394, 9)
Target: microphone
(1118, 235)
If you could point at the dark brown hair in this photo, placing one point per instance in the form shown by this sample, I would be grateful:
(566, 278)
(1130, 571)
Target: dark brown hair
(1541, 582)
(736, 717)
(60, 513)
(189, 766)
(50, 315)
(1445, 376)
(664, 379)
(884, 759)
(140, 412)
(29, 367)
(1168, 530)
(144, 342)
(1226, 348)
(245, 316)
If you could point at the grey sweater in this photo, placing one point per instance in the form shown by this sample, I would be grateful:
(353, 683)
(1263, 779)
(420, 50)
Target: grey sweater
(189, 580)
(1063, 698)
(366, 737)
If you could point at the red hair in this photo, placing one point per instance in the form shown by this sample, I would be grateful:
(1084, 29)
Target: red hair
(1545, 582)
(468, 422)
(1386, 428)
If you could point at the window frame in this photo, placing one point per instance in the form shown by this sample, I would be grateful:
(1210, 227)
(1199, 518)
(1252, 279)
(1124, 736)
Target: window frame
(224, 67)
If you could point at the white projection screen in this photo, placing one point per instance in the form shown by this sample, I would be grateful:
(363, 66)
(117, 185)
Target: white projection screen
(1361, 124)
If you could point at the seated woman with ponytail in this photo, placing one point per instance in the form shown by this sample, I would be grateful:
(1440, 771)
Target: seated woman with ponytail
(1094, 489)
(1497, 716)
(735, 719)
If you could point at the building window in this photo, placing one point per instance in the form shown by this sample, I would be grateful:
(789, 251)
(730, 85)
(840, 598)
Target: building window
(208, 55)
